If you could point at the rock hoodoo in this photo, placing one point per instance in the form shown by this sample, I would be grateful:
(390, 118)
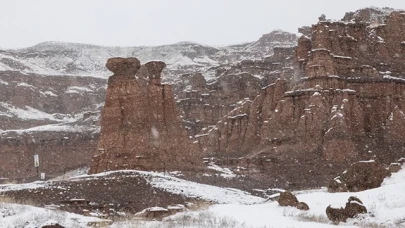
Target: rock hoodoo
(141, 126)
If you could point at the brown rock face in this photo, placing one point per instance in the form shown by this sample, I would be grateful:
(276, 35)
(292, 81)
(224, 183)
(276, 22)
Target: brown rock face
(123, 66)
(65, 145)
(155, 68)
(343, 107)
(359, 177)
(204, 103)
(141, 127)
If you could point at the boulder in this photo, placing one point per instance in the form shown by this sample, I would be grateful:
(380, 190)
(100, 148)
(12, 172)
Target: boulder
(287, 199)
(302, 206)
(365, 175)
(336, 215)
(360, 176)
(354, 206)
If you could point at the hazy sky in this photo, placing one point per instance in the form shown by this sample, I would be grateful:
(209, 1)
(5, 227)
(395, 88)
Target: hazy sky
(154, 22)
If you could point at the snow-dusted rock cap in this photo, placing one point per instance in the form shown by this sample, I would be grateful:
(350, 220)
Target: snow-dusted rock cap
(123, 66)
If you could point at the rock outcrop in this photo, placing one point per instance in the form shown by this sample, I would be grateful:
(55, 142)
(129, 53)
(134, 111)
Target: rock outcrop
(345, 104)
(353, 207)
(140, 124)
(360, 176)
(203, 103)
(287, 199)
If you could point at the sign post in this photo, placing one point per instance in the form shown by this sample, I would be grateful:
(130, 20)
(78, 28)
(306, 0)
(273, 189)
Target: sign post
(36, 162)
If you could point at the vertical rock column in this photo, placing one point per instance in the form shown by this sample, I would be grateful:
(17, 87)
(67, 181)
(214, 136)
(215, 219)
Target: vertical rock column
(141, 127)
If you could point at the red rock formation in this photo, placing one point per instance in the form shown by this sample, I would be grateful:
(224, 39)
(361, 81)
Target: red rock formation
(141, 127)
(58, 152)
(341, 109)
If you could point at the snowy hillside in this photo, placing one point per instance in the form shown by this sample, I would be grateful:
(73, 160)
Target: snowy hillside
(235, 208)
(385, 205)
(57, 58)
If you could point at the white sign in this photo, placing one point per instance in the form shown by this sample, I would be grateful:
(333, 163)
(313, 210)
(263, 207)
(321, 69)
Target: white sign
(42, 176)
(36, 160)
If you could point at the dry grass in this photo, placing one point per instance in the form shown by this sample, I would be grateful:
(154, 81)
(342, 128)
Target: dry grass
(307, 217)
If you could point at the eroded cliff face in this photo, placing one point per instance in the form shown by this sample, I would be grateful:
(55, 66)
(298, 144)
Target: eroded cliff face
(355, 49)
(140, 125)
(58, 151)
(343, 107)
(53, 116)
(204, 103)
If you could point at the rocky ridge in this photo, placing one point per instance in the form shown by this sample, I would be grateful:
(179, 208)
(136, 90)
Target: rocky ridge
(58, 58)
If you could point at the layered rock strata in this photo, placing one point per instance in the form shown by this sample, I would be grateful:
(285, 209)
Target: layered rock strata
(54, 117)
(204, 103)
(343, 107)
(140, 125)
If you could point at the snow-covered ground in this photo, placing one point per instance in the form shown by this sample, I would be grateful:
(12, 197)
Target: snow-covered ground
(29, 113)
(187, 188)
(235, 208)
(16, 215)
(386, 207)
(55, 128)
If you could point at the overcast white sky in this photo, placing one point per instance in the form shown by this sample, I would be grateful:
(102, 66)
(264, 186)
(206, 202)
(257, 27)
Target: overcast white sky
(154, 22)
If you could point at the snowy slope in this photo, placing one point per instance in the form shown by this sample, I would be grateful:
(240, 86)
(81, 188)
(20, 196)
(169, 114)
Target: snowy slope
(16, 215)
(58, 58)
(190, 189)
(386, 205)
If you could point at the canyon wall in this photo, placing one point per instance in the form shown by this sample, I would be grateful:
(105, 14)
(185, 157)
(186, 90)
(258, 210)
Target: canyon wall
(345, 104)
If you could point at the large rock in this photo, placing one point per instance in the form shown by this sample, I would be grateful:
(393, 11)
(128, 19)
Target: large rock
(353, 207)
(141, 126)
(287, 199)
(360, 176)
